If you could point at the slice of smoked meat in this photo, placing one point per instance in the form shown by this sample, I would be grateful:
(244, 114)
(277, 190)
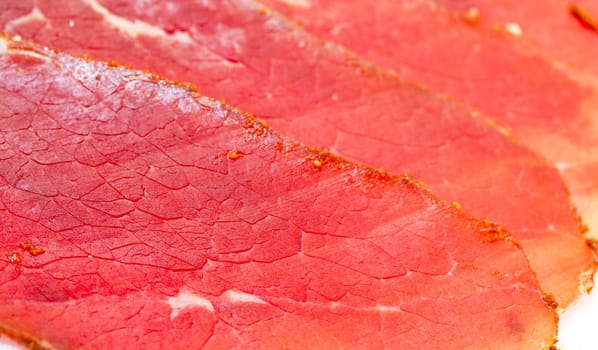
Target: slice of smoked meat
(565, 34)
(488, 70)
(322, 95)
(562, 30)
(135, 214)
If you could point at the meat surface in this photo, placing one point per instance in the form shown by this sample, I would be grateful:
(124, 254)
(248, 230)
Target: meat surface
(135, 213)
(571, 45)
(322, 95)
(485, 68)
(561, 30)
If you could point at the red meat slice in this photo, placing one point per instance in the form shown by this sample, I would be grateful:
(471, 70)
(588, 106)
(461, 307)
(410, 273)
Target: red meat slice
(565, 30)
(137, 214)
(487, 69)
(571, 45)
(322, 95)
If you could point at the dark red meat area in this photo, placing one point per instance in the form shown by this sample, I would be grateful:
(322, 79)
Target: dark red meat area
(136, 214)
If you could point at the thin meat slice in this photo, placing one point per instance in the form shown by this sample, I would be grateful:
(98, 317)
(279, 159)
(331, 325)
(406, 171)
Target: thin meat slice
(563, 30)
(322, 95)
(487, 69)
(135, 214)
(571, 45)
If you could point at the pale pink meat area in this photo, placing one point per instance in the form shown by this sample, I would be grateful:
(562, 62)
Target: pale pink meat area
(551, 26)
(545, 97)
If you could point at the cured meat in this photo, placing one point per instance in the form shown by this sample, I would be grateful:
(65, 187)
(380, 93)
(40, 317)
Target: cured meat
(137, 214)
(571, 45)
(572, 35)
(489, 70)
(322, 95)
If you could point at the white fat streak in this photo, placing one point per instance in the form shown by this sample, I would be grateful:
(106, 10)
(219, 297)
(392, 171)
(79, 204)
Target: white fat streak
(240, 297)
(562, 166)
(35, 14)
(376, 308)
(513, 29)
(6, 49)
(298, 3)
(386, 308)
(31, 54)
(135, 28)
(188, 300)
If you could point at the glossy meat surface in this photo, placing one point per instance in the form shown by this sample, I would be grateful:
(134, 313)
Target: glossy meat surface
(135, 213)
(322, 95)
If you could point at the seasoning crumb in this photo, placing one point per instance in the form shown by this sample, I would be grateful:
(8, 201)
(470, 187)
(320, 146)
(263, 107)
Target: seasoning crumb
(189, 87)
(234, 155)
(14, 257)
(265, 11)
(550, 301)
(31, 248)
(317, 163)
(493, 231)
(472, 16)
(456, 205)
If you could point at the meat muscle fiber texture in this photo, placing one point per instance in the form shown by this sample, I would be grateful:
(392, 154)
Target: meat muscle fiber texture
(571, 45)
(137, 214)
(322, 95)
(487, 69)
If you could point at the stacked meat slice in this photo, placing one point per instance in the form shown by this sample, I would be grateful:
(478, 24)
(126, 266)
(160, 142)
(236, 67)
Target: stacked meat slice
(572, 34)
(206, 229)
(545, 94)
(322, 95)
(571, 46)
(137, 214)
